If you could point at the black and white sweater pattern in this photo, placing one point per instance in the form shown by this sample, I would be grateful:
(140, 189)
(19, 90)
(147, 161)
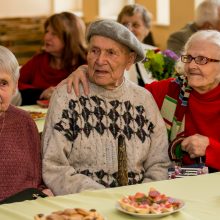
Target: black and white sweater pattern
(86, 131)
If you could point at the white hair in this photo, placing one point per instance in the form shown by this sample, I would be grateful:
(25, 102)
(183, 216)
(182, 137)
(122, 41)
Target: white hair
(207, 11)
(210, 36)
(9, 63)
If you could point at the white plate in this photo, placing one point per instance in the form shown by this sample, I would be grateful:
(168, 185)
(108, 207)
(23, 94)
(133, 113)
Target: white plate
(150, 215)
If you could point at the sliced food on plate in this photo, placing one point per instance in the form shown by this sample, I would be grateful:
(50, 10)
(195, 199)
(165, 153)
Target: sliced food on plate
(152, 203)
(37, 115)
(71, 214)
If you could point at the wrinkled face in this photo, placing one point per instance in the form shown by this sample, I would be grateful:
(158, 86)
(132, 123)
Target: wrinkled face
(7, 90)
(135, 24)
(107, 61)
(203, 78)
(52, 43)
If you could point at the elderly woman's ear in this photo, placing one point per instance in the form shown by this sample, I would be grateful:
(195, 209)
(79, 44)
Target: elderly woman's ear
(131, 60)
(15, 87)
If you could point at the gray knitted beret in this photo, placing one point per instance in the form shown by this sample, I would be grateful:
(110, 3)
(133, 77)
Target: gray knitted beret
(117, 32)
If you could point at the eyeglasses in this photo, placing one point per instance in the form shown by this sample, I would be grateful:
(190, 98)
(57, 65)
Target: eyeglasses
(130, 25)
(198, 60)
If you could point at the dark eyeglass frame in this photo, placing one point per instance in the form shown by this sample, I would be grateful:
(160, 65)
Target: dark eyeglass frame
(201, 60)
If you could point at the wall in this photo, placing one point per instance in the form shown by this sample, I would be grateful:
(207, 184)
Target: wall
(27, 8)
(24, 8)
(180, 13)
(178, 18)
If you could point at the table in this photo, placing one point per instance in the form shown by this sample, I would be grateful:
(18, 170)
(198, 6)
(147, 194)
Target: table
(200, 193)
(36, 108)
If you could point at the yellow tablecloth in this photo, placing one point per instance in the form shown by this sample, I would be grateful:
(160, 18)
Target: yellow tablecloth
(200, 193)
(36, 108)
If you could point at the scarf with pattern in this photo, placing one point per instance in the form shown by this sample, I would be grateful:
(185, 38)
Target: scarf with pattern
(173, 112)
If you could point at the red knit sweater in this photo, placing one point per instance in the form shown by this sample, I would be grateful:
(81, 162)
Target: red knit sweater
(202, 117)
(19, 153)
(37, 73)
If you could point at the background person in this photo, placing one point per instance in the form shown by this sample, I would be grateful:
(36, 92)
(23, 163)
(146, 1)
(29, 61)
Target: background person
(20, 157)
(138, 20)
(81, 135)
(207, 16)
(64, 50)
(189, 104)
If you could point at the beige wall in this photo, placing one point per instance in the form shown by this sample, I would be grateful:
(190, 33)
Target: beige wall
(90, 10)
(24, 8)
(27, 8)
(180, 13)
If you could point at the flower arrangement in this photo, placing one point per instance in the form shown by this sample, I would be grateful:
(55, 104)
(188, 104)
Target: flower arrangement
(161, 64)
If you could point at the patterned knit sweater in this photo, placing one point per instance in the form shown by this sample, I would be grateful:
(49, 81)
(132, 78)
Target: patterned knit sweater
(81, 136)
(19, 153)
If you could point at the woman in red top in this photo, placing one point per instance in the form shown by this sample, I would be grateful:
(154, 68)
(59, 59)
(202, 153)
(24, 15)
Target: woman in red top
(64, 50)
(190, 103)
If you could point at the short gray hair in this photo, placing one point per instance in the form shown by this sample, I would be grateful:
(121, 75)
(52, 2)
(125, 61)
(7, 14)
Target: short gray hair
(9, 63)
(207, 11)
(130, 10)
(211, 36)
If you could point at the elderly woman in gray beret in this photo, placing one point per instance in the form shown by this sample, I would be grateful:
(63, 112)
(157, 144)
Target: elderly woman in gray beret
(113, 137)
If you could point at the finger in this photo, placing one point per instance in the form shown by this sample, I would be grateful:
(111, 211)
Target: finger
(183, 146)
(85, 86)
(45, 94)
(69, 84)
(189, 148)
(42, 95)
(75, 85)
(185, 142)
(186, 147)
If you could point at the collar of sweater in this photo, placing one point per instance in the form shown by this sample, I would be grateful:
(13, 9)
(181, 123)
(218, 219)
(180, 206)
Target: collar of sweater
(110, 94)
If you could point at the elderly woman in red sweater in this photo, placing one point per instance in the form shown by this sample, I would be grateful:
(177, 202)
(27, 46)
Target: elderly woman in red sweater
(20, 157)
(190, 103)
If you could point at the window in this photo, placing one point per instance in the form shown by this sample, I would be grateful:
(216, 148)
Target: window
(197, 2)
(163, 12)
(68, 5)
(107, 9)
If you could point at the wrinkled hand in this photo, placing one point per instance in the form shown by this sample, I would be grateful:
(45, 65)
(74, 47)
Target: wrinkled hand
(74, 80)
(47, 93)
(195, 145)
(47, 192)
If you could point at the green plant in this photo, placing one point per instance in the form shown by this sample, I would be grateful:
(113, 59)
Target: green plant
(160, 64)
